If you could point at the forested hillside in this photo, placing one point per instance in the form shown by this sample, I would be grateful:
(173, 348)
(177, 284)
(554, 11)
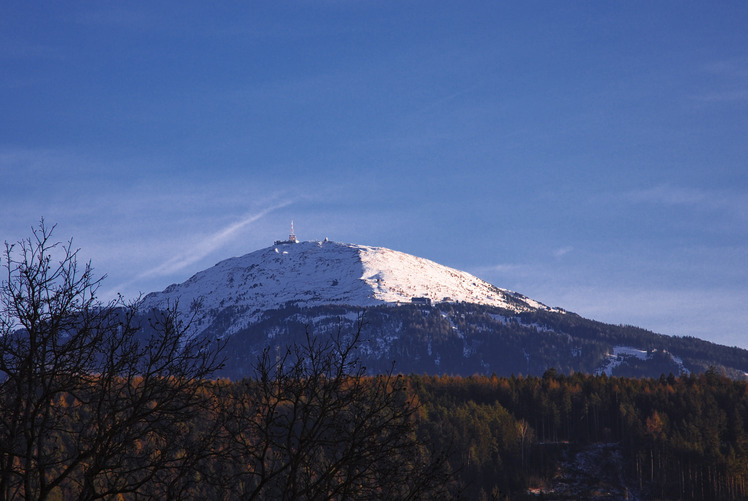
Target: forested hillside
(679, 437)
(466, 339)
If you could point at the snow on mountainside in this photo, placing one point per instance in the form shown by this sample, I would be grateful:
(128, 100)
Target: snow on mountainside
(324, 273)
(273, 297)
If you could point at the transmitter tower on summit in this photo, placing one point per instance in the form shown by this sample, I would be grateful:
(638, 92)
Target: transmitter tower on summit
(291, 238)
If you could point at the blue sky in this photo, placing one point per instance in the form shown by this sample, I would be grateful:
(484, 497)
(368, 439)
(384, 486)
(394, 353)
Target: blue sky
(591, 155)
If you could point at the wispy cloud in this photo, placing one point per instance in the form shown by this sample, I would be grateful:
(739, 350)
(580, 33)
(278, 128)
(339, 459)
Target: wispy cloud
(731, 84)
(201, 249)
(732, 68)
(497, 268)
(667, 195)
(208, 245)
(562, 251)
(731, 202)
(444, 100)
(727, 96)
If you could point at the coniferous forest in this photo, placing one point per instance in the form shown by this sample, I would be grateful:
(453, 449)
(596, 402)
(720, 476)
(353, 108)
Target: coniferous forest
(96, 405)
(421, 437)
(679, 437)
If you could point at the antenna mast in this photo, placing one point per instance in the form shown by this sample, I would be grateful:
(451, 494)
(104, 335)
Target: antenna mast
(292, 237)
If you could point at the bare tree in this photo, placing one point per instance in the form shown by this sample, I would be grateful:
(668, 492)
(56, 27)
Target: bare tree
(522, 430)
(92, 402)
(312, 426)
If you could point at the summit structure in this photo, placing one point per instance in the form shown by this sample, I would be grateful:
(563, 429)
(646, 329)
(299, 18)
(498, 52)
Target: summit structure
(291, 238)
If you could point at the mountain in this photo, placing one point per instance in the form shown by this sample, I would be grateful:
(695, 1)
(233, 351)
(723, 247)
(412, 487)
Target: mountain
(312, 274)
(423, 316)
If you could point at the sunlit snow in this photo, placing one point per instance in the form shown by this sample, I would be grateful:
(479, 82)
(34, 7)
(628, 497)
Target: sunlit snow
(324, 273)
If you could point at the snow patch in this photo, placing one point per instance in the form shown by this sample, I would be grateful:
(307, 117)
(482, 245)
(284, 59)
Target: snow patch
(619, 355)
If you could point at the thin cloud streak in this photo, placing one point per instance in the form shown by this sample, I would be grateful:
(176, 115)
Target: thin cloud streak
(668, 195)
(729, 202)
(562, 251)
(207, 246)
(732, 75)
(203, 248)
(729, 96)
(497, 268)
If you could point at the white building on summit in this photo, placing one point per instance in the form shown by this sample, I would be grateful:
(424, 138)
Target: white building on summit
(291, 238)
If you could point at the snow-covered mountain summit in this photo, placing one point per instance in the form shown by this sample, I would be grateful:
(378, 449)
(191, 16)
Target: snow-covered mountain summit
(325, 273)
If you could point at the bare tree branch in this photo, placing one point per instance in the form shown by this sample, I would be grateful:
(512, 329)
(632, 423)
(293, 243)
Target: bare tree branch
(92, 404)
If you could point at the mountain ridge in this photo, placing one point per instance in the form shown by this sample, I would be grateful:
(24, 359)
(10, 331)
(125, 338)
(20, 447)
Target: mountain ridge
(425, 317)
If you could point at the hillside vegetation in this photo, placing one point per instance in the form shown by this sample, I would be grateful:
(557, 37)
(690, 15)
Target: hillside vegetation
(465, 339)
